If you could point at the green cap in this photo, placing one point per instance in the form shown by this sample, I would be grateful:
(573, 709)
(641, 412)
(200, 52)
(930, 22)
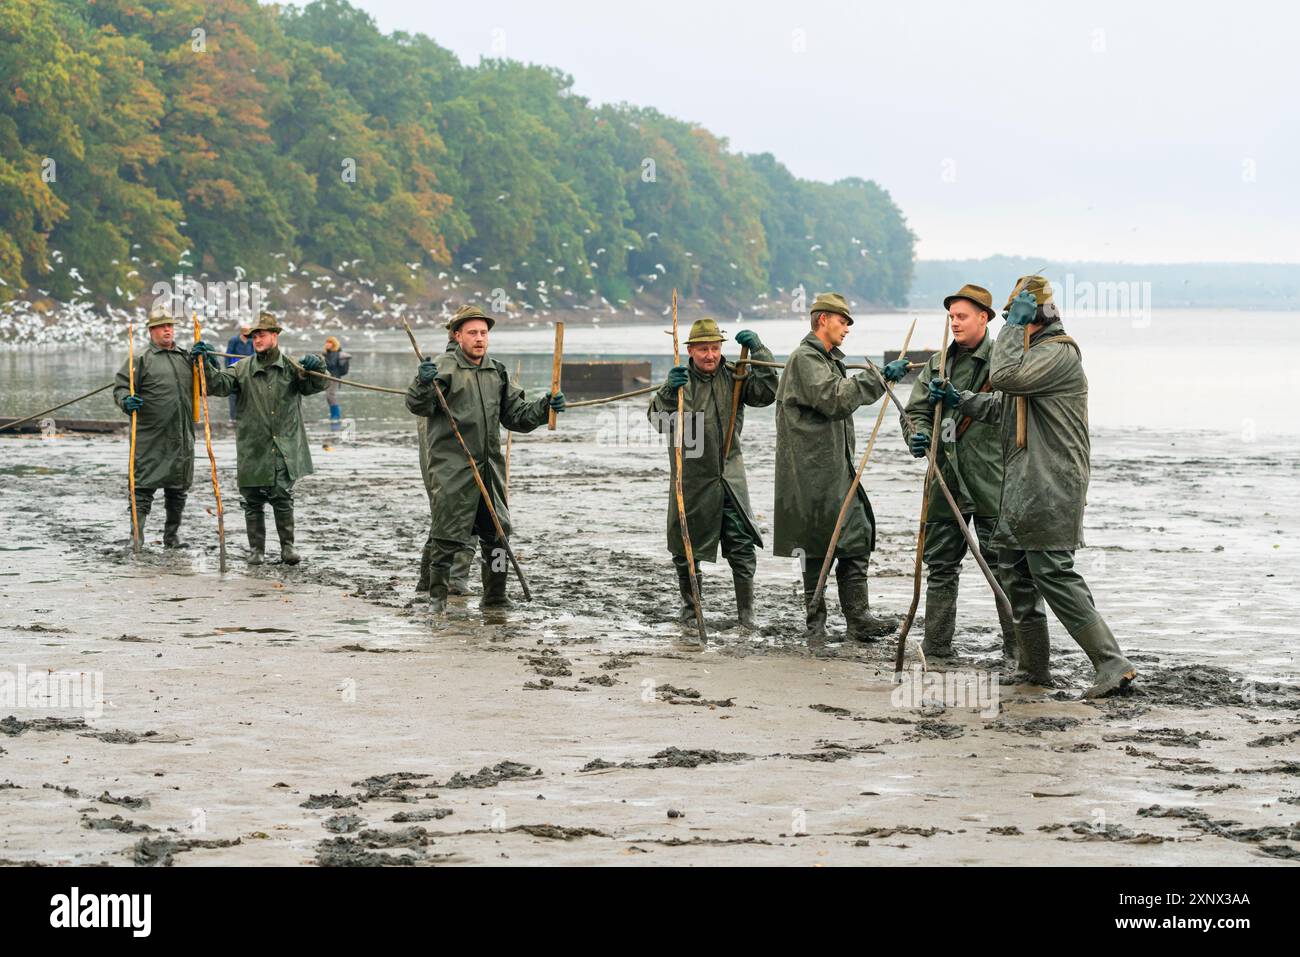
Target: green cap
(265, 323)
(160, 315)
(832, 302)
(705, 330)
(976, 294)
(465, 313)
(1038, 286)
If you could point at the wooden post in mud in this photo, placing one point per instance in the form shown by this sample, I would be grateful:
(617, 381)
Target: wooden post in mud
(202, 375)
(736, 390)
(677, 488)
(925, 507)
(510, 436)
(971, 542)
(130, 372)
(473, 467)
(557, 365)
(853, 490)
(196, 392)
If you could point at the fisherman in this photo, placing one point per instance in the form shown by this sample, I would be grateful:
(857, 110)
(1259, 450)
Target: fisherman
(458, 577)
(164, 405)
(815, 467)
(714, 487)
(336, 364)
(481, 399)
(970, 456)
(1044, 486)
(270, 438)
(236, 349)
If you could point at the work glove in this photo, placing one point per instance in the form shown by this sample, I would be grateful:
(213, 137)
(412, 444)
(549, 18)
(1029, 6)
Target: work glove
(556, 401)
(678, 376)
(945, 393)
(1022, 310)
(428, 369)
(133, 403)
(894, 371)
(920, 445)
(313, 363)
(748, 339)
(202, 350)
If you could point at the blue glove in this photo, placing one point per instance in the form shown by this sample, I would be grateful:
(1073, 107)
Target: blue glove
(556, 401)
(920, 445)
(313, 363)
(202, 350)
(894, 371)
(1022, 310)
(748, 339)
(945, 393)
(678, 376)
(133, 403)
(428, 369)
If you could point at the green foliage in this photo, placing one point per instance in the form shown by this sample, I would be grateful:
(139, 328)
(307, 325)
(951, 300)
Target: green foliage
(210, 134)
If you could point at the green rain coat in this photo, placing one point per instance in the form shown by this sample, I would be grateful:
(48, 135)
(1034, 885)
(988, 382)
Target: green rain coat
(706, 479)
(971, 462)
(815, 454)
(482, 399)
(1045, 484)
(164, 428)
(268, 415)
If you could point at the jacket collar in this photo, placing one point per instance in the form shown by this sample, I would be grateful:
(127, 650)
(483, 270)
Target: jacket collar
(1053, 329)
(260, 366)
(983, 351)
(463, 362)
(812, 340)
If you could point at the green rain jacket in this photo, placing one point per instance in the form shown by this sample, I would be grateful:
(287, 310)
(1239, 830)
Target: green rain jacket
(164, 428)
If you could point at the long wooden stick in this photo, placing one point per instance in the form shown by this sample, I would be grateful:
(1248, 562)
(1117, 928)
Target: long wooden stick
(38, 415)
(736, 390)
(473, 467)
(510, 436)
(130, 373)
(212, 459)
(925, 508)
(971, 542)
(853, 490)
(557, 365)
(196, 392)
(677, 488)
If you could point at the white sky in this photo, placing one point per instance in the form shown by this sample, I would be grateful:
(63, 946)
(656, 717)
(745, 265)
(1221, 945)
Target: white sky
(1148, 132)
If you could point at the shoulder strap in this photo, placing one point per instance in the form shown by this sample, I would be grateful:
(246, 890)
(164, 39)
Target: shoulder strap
(966, 422)
(1066, 339)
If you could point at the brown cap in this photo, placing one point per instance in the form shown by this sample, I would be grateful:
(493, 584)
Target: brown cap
(976, 294)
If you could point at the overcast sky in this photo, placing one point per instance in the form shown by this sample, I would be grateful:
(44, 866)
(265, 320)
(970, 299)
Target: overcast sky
(1146, 132)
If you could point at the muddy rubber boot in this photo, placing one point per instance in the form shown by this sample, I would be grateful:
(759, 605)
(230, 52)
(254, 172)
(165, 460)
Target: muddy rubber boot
(175, 507)
(426, 559)
(1010, 647)
(494, 587)
(745, 603)
(284, 528)
(863, 624)
(940, 621)
(437, 590)
(814, 632)
(686, 614)
(1033, 663)
(255, 522)
(143, 506)
(458, 577)
(1114, 671)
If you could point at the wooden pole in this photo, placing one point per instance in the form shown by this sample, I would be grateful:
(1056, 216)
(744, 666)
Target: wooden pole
(736, 390)
(971, 542)
(925, 507)
(18, 422)
(473, 467)
(853, 489)
(557, 365)
(510, 436)
(130, 373)
(202, 374)
(196, 392)
(677, 488)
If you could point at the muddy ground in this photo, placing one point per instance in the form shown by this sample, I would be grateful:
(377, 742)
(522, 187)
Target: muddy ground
(318, 715)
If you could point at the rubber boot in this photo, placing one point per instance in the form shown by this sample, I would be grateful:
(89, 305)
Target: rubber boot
(940, 620)
(1033, 663)
(284, 528)
(175, 507)
(1114, 671)
(437, 589)
(336, 418)
(426, 558)
(745, 602)
(863, 624)
(814, 618)
(458, 578)
(143, 505)
(686, 614)
(255, 522)
(494, 587)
